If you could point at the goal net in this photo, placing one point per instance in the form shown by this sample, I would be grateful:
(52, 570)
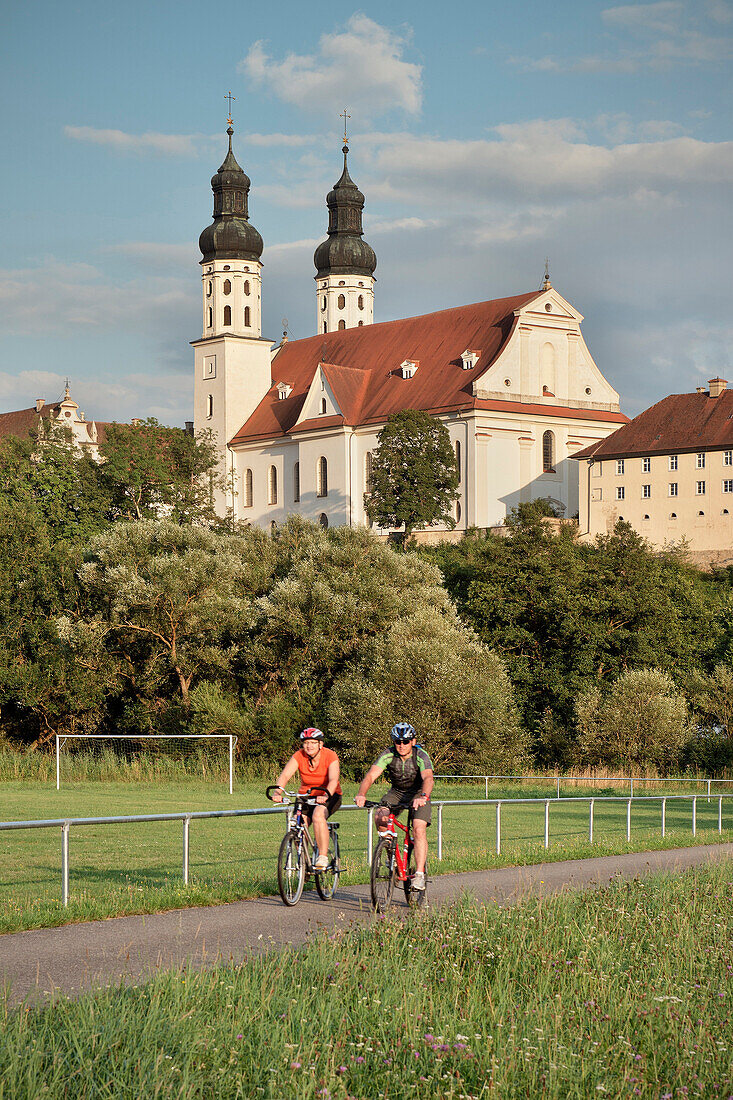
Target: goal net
(148, 757)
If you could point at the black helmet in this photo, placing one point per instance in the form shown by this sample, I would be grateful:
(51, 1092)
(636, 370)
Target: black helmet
(402, 732)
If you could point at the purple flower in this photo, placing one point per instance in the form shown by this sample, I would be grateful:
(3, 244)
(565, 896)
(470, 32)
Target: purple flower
(360, 1058)
(239, 1036)
(295, 1065)
(341, 1069)
(429, 1038)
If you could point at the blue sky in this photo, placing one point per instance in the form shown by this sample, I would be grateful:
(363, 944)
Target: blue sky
(485, 137)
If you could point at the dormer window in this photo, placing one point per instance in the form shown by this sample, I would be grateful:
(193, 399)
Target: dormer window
(469, 359)
(409, 367)
(283, 390)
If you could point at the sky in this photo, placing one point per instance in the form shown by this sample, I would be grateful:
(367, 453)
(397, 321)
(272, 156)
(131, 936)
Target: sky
(484, 136)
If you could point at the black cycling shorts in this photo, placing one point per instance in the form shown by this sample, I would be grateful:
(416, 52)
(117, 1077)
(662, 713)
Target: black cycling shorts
(333, 804)
(397, 801)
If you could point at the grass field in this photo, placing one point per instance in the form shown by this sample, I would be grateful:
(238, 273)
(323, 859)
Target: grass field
(623, 992)
(118, 869)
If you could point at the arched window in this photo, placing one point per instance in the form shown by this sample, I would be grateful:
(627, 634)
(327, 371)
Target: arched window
(227, 286)
(325, 327)
(548, 453)
(208, 290)
(227, 315)
(246, 317)
(342, 324)
(323, 520)
(209, 406)
(323, 304)
(458, 511)
(323, 405)
(296, 482)
(248, 489)
(246, 286)
(322, 477)
(272, 486)
(458, 459)
(368, 464)
(211, 317)
(360, 301)
(341, 301)
(360, 324)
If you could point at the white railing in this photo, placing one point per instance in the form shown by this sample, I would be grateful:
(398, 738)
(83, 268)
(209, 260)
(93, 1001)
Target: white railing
(65, 824)
(557, 779)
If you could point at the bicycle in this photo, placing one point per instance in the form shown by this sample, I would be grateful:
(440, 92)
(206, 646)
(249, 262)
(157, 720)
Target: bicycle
(390, 864)
(296, 858)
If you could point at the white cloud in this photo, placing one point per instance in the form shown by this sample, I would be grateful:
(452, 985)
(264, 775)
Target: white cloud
(362, 65)
(169, 145)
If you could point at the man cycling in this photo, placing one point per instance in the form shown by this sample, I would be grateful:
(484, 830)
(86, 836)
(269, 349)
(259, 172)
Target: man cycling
(318, 767)
(410, 771)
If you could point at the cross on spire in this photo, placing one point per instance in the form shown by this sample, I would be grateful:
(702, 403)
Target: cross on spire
(547, 285)
(67, 385)
(231, 98)
(345, 116)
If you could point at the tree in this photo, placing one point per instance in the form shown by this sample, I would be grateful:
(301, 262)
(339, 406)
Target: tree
(431, 671)
(640, 721)
(153, 471)
(414, 477)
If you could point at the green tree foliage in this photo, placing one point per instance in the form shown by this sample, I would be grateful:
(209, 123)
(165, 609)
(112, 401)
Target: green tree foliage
(640, 721)
(151, 470)
(433, 672)
(566, 616)
(414, 475)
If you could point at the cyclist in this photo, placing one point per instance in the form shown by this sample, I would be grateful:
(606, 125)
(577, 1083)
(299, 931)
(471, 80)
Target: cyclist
(410, 771)
(318, 767)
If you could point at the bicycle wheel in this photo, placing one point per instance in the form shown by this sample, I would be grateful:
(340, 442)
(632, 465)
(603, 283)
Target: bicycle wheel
(328, 880)
(382, 875)
(416, 898)
(290, 869)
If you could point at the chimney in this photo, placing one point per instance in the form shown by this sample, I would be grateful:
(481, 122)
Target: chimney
(40, 402)
(717, 385)
(189, 427)
(700, 389)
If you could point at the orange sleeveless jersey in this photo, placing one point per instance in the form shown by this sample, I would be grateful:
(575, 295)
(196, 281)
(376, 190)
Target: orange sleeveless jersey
(318, 776)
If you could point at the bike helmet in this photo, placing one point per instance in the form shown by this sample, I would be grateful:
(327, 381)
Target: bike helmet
(402, 732)
(311, 734)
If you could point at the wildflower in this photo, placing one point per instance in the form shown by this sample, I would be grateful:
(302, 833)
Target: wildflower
(429, 1038)
(341, 1069)
(295, 1065)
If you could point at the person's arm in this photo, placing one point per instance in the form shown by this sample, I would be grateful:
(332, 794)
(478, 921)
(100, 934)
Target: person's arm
(285, 775)
(371, 776)
(332, 781)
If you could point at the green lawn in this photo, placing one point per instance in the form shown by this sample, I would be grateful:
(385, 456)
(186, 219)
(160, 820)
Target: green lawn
(136, 868)
(621, 992)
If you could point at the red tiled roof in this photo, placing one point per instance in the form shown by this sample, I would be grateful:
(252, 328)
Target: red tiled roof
(678, 423)
(362, 366)
(23, 422)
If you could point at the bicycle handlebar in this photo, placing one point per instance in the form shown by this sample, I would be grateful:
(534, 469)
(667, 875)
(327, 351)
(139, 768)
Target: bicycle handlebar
(294, 794)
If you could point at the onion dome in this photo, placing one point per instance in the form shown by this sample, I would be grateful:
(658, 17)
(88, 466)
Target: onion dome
(230, 237)
(345, 253)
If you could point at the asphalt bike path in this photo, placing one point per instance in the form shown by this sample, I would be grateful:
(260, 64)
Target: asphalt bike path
(49, 962)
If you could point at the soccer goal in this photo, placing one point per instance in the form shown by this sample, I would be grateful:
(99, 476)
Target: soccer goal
(190, 750)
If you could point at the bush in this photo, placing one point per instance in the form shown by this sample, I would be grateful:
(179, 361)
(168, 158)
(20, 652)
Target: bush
(640, 721)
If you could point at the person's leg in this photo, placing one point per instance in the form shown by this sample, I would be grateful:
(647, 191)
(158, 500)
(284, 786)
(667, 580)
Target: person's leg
(420, 833)
(320, 831)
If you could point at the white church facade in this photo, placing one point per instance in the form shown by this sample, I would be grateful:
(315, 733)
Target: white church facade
(512, 379)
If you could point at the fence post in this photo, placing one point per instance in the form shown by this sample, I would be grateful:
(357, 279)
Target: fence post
(631, 793)
(370, 820)
(628, 821)
(547, 823)
(590, 821)
(558, 786)
(708, 790)
(231, 765)
(694, 815)
(440, 830)
(720, 815)
(486, 781)
(664, 817)
(498, 828)
(186, 823)
(58, 767)
(65, 863)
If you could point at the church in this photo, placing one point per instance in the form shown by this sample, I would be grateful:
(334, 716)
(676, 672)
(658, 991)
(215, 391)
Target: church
(297, 424)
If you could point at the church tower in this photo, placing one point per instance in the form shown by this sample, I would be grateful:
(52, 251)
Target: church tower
(344, 262)
(231, 360)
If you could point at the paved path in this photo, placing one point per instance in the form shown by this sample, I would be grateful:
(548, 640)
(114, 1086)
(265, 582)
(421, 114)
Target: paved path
(68, 960)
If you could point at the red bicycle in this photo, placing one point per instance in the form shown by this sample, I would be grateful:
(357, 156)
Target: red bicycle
(391, 864)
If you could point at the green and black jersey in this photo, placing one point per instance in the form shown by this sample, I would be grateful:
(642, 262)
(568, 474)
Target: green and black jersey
(405, 774)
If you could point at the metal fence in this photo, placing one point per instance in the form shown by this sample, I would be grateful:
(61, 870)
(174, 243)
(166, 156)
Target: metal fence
(65, 824)
(557, 779)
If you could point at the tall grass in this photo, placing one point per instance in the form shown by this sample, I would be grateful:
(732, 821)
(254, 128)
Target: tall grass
(623, 992)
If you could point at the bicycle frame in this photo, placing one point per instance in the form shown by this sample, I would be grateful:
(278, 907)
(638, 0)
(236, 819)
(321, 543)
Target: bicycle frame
(402, 857)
